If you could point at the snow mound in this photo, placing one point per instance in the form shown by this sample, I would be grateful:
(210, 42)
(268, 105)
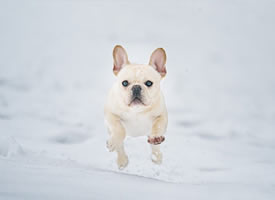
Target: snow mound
(10, 147)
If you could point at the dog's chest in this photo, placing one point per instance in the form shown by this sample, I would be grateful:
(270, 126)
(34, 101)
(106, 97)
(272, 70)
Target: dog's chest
(137, 124)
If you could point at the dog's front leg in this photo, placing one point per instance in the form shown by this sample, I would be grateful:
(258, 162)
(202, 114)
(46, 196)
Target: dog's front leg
(117, 136)
(156, 137)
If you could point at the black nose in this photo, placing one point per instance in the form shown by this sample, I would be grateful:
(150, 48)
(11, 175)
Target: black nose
(136, 90)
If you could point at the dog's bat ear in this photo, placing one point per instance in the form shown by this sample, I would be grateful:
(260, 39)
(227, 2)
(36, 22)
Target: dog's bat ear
(120, 58)
(158, 61)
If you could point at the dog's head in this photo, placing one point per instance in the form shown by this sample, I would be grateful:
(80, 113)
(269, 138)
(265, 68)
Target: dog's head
(139, 84)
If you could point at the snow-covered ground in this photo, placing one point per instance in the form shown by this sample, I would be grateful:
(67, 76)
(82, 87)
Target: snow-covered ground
(56, 69)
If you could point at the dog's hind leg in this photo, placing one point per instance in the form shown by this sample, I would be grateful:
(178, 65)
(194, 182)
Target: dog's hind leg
(115, 142)
(156, 154)
(157, 137)
(122, 158)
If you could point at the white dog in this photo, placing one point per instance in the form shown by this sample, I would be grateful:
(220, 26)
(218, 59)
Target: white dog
(135, 105)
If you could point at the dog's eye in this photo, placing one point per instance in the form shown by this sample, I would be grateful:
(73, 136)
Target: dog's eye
(125, 83)
(148, 83)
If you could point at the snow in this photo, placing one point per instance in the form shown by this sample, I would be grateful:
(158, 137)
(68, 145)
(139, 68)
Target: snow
(56, 69)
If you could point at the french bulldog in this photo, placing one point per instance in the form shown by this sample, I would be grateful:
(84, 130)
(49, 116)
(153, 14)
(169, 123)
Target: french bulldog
(135, 105)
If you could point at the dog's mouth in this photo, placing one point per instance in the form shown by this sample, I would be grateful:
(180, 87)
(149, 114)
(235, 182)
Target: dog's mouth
(136, 101)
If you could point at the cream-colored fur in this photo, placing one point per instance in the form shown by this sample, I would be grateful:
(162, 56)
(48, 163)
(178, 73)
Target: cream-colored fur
(148, 116)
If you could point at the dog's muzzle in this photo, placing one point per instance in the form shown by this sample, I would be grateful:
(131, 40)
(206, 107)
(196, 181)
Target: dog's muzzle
(136, 89)
(136, 95)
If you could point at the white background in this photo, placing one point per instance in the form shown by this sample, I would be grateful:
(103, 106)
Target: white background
(55, 72)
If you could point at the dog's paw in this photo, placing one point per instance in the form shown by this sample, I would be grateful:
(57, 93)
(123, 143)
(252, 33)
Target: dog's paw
(111, 144)
(157, 157)
(155, 140)
(122, 161)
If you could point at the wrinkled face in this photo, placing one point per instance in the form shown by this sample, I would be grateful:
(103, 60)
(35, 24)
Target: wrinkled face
(139, 85)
